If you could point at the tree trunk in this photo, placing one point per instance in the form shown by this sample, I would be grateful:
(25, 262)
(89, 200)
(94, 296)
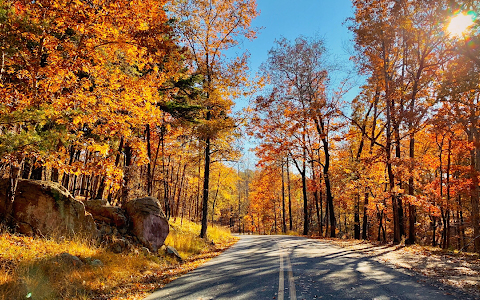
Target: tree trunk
(391, 178)
(166, 193)
(55, 175)
(321, 208)
(26, 168)
(327, 217)
(411, 208)
(305, 201)
(303, 173)
(460, 224)
(275, 215)
(447, 213)
(216, 195)
(320, 126)
(330, 206)
(315, 195)
(127, 174)
(284, 224)
(473, 137)
(289, 196)
(37, 172)
(380, 225)
(365, 217)
(372, 144)
(206, 181)
(101, 189)
(66, 176)
(150, 162)
(14, 175)
(357, 218)
(117, 163)
(75, 177)
(180, 190)
(474, 195)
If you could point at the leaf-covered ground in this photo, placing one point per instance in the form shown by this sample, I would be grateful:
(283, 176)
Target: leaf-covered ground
(460, 270)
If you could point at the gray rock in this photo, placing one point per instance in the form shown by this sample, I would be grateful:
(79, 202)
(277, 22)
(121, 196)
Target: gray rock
(173, 252)
(70, 259)
(96, 263)
(146, 251)
(148, 222)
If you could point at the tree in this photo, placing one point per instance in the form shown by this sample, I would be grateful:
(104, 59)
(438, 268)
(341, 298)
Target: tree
(299, 72)
(208, 28)
(460, 88)
(77, 77)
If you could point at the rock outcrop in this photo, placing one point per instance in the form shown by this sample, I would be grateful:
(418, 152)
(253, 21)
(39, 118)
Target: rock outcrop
(147, 221)
(102, 212)
(47, 208)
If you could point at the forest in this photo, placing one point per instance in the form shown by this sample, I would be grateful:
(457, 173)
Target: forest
(123, 99)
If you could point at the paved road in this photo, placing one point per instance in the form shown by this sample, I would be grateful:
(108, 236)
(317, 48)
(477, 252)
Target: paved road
(285, 267)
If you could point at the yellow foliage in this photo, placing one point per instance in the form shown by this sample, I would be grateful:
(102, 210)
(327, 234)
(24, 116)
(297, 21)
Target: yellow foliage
(184, 236)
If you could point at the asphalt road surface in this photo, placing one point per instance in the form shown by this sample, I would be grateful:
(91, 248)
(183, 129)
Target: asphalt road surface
(286, 267)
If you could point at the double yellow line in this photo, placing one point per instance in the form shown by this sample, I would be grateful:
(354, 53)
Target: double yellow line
(287, 266)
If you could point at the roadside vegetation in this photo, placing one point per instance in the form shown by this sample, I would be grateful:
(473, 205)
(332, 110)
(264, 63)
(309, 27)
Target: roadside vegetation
(36, 268)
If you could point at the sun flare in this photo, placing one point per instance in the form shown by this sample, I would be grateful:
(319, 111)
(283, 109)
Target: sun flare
(459, 24)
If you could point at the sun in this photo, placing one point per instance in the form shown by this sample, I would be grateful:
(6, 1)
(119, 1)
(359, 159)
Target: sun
(459, 24)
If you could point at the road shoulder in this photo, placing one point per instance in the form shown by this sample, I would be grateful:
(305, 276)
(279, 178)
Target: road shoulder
(460, 271)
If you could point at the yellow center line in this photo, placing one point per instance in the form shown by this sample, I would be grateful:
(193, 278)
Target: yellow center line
(291, 283)
(285, 264)
(281, 283)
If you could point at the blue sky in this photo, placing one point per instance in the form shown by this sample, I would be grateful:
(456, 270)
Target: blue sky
(293, 18)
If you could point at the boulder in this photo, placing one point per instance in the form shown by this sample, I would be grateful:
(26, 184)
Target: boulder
(102, 212)
(70, 260)
(169, 250)
(48, 209)
(96, 263)
(147, 221)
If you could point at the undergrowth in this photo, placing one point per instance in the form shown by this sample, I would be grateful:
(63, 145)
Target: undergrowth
(184, 236)
(34, 268)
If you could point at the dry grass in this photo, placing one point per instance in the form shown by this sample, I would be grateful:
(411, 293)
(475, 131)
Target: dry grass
(184, 236)
(34, 268)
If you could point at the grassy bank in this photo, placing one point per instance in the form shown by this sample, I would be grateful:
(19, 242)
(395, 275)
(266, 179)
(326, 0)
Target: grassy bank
(33, 268)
